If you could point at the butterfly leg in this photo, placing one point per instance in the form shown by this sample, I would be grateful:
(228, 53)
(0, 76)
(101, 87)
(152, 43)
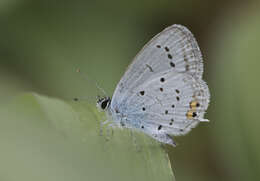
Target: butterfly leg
(101, 126)
(105, 122)
(136, 145)
(107, 128)
(110, 130)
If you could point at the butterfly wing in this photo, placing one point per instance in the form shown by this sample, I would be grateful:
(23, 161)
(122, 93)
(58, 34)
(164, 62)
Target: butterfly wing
(162, 92)
(167, 107)
(174, 49)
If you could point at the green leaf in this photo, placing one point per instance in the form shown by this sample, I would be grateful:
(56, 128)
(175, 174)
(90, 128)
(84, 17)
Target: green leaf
(45, 138)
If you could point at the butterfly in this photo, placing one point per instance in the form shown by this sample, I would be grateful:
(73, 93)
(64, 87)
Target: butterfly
(162, 93)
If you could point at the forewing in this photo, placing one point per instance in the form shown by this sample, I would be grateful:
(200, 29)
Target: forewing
(174, 49)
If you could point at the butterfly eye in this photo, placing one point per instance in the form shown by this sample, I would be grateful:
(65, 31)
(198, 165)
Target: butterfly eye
(104, 104)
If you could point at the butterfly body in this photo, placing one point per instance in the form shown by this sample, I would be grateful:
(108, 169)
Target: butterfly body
(162, 92)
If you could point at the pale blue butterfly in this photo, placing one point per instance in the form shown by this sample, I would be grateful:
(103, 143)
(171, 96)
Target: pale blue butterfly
(162, 93)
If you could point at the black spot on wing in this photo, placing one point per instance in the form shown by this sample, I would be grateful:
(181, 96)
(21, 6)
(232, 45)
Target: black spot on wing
(162, 79)
(172, 64)
(187, 67)
(149, 67)
(194, 114)
(172, 120)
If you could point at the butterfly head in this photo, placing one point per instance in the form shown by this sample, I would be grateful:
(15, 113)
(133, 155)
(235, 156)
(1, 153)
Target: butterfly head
(103, 103)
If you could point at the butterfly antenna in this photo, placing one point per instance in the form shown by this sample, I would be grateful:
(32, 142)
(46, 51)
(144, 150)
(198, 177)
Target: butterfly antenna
(92, 81)
(76, 99)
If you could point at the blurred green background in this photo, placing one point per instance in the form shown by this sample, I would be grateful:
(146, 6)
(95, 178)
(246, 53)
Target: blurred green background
(44, 41)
